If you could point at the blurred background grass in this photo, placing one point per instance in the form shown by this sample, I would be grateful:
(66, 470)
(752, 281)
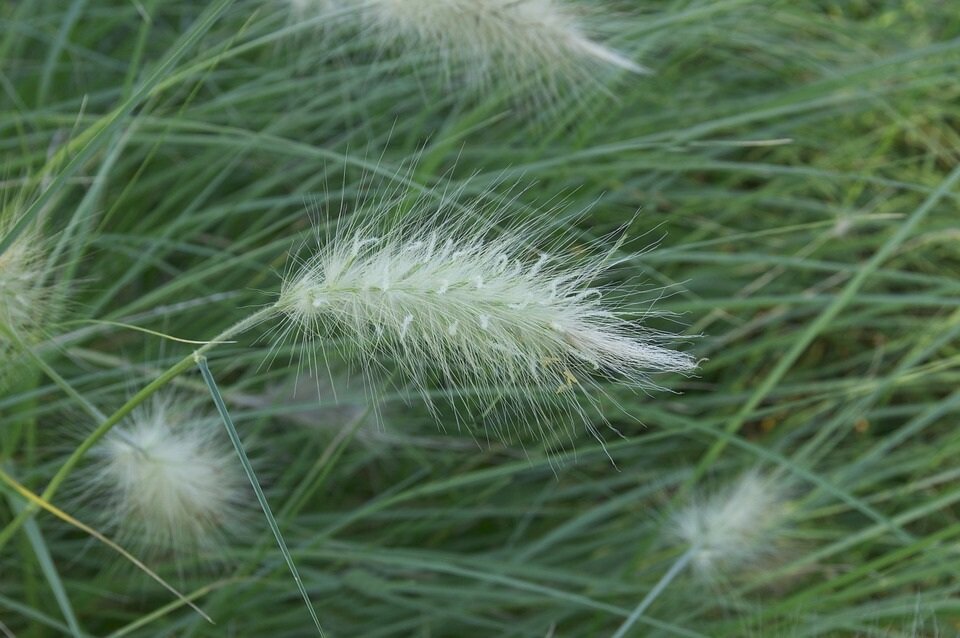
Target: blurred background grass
(171, 151)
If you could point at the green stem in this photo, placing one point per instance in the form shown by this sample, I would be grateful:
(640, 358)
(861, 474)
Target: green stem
(248, 468)
(652, 595)
(181, 366)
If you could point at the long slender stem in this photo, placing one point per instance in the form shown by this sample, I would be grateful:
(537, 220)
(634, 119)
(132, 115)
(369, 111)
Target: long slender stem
(174, 371)
(248, 468)
(652, 595)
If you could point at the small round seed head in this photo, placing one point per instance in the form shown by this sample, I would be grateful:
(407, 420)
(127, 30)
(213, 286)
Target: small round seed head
(507, 42)
(734, 528)
(167, 480)
(474, 310)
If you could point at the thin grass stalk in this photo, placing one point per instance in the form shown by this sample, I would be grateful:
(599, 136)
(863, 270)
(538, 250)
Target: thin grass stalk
(248, 468)
(665, 580)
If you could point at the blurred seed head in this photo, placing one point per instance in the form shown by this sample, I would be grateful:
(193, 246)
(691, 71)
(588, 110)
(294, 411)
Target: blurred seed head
(734, 528)
(19, 272)
(167, 479)
(508, 43)
(25, 297)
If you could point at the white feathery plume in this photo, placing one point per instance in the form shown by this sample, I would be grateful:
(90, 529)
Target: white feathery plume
(167, 480)
(735, 527)
(513, 41)
(476, 308)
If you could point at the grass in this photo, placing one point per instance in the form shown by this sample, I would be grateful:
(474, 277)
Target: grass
(795, 165)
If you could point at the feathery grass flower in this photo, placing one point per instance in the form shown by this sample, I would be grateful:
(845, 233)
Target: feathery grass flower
(735, 527)
(510, 42)
(167, 480)
(480, 311)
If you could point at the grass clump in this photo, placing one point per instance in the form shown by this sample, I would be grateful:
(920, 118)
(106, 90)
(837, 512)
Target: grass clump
(793, 165)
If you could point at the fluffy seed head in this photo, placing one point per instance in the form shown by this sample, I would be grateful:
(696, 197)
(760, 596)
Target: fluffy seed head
(480, 310)
(166, 480)
(24, 297)
(19, 292)
(513, 41)
(735, 527)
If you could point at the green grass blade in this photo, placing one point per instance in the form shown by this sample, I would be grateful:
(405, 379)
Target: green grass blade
(248, 468)
(39, 545)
